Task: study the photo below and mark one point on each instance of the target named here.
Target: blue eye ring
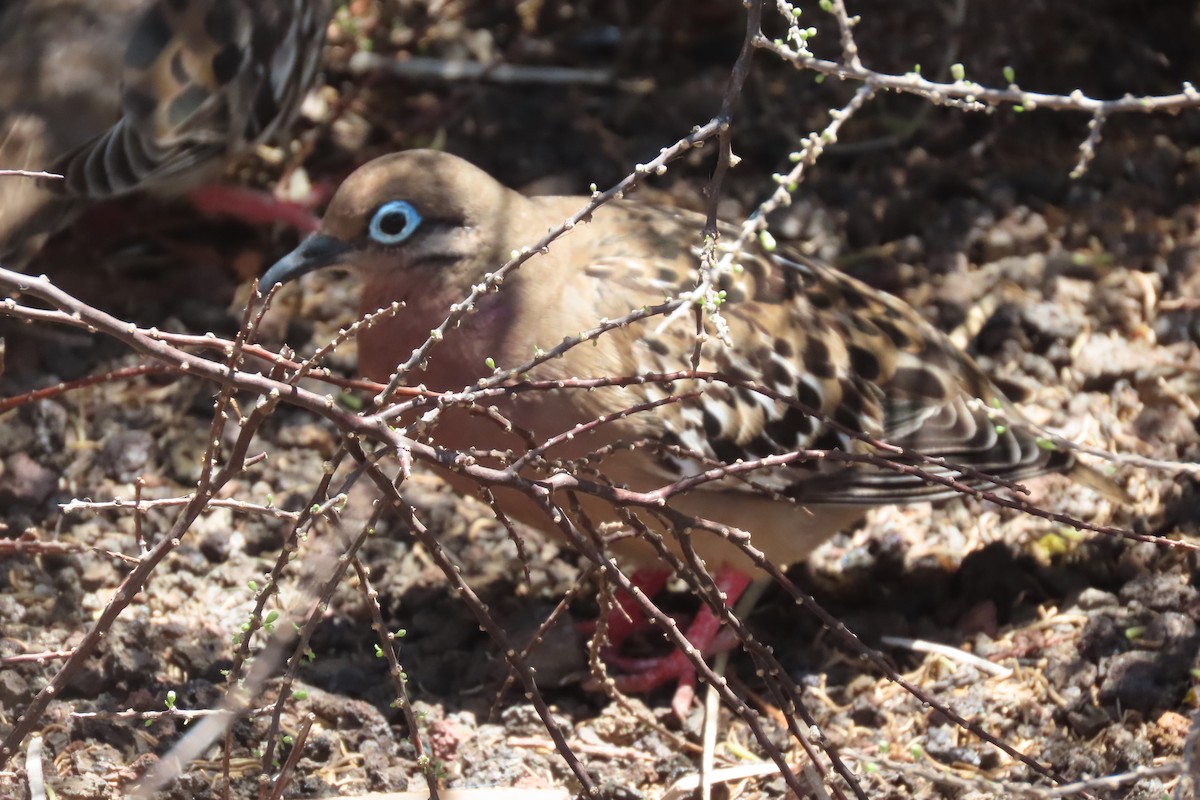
(394, 222)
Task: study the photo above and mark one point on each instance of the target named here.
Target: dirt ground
(1079, 295)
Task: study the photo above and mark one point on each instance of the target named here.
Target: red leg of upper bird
(258, 207)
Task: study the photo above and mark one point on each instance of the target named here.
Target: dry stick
(702, 298)
(347, 558)
(139, 575)
(748, 230)
(1130, 459)
(996, 788)
(586, 427)
(1191, 755)
(538, 492)
(25, 173)
(741, 470)
(491, 387)
(485, 619)
(34, 658)
(768, 667)
(742, 540)
(477, 395)
(812, 146)
(497, 382)
(319, 508)
(682, 522)
(973, 96)
(733, 94)
(315, 402)
(199, 738)
(235, 676)
(37, 547)
(120, 504)
(310, 364)
(422, 68)
(708, 733)
(289, 766)
(845, 33)
(171, 713)
(607, 604)
(208, 461)
(290, 546)
(787, 695)
(207, 341)
(828, 621)
(211, 342)
(388, 646)
(422, 428)
(9, 403)
(316, 609)
(138, 538)
(134, 337)
(660, 495)
(150, 343)
(518, 541)
(33, 769)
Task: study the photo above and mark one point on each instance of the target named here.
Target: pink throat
(457, 361)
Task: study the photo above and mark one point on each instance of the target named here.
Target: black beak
(313, 253)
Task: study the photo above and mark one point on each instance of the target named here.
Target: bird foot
(642, 675)
(706, 634)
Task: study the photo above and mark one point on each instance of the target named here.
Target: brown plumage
(129, 95)
(423, 227)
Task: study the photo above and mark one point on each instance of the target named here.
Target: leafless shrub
(253, 382)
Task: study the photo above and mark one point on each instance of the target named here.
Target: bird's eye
(394, 222)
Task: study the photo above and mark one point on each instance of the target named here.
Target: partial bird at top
(810, 357)
(130, 95)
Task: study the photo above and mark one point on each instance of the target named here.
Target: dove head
(418, 217)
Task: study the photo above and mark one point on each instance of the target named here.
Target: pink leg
(629, 618)
(649, 673)
(257, 207)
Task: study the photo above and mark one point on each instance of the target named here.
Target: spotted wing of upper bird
(203, 80)
(60, 68)
(125, 95)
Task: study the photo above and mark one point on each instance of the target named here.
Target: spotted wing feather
(203, 79)
(860, 358)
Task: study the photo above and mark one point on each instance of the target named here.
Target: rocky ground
(1081, 295)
